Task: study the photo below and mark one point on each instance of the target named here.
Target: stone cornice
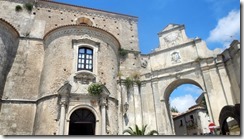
(85, 10)
(180, 27)
(81, 9)
(7, 25)
(192, 42)
(79, 30)
(189, 67)
(28, 101)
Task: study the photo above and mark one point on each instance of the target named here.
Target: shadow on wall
(9, 41)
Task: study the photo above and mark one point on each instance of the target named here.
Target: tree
(139, 132)
(173, 109)
(203, 103)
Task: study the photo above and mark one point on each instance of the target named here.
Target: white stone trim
(71, 109)
(94, 47)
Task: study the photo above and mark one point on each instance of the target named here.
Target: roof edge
(135, 18)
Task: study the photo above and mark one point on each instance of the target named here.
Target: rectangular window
(85, 57)
(181, 123)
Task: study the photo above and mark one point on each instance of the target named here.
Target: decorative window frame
(88, 43)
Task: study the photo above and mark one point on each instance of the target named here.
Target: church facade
(50, 54)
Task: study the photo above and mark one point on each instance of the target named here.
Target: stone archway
(226, 112)
(169, 90)
(82, 122)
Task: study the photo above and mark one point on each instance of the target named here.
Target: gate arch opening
(181, 92)
(229, 120)
(82, 122)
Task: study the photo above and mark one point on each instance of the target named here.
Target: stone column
(103, 105)
(158, 107)
(224, 80)
(168, 130)
(64, 94)
(137, 103)
(208, 87)
(62, 118)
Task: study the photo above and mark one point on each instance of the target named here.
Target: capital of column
(103, 101)
(63, 101)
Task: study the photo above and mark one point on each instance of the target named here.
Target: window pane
(90, 57)
(85, 56)
(81, 50)
(89, 51)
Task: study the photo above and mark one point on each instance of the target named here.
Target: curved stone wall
(60, 56)
(60, 66)
(9, 40)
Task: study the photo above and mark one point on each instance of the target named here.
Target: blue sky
(215, 21)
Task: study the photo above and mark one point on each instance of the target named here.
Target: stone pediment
(171, 26)
(172, 35)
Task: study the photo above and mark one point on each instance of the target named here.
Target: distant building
(194, 121)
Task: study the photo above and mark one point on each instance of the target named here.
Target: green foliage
(173, 109)
(95, 89)
(203, 103)
(139, 132)
(18, 8)
(28, 7)
(123, 53)
(128, 82)
(138, 82)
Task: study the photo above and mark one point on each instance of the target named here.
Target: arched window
(84, 20)
(85, 58)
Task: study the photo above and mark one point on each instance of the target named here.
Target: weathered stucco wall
(8, 46)
(17, 118)
(24, 77)
(231, 57)
(46, 118)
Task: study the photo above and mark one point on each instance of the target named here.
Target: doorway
(82, 122)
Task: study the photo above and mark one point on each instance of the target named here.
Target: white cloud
(192, 89)
(227, 29)
(182, 103)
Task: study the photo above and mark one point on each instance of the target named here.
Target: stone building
(52, 52)
(194, 121)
